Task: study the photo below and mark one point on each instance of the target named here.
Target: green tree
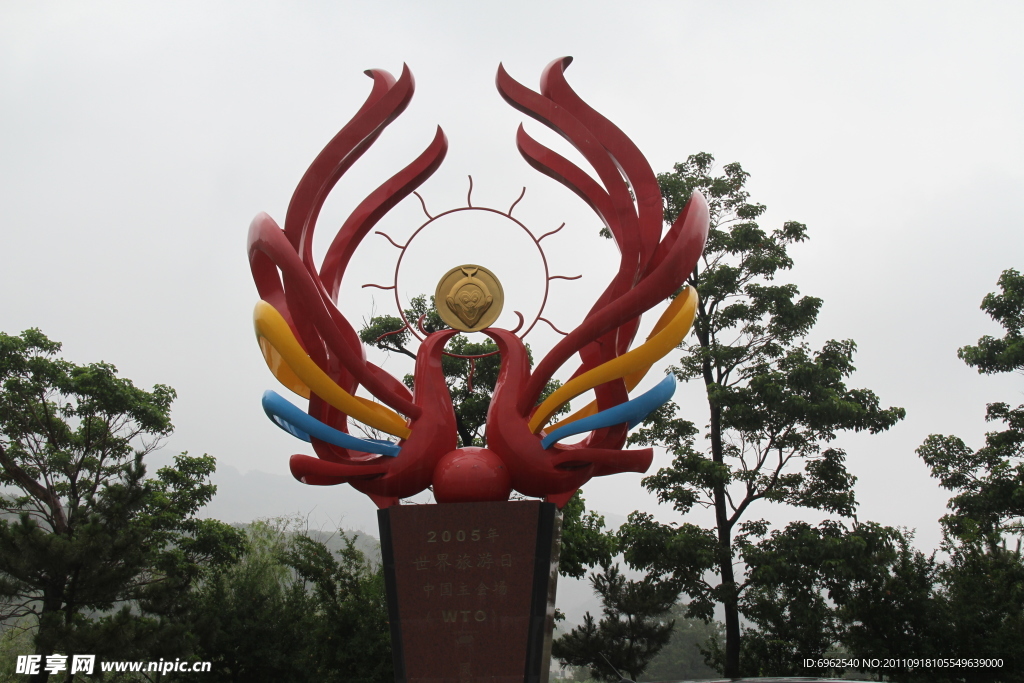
(635, 624)
(247, 619)
(988, 483)
(773, 403)
(1006, 354)
(889, 598)
(785, 601)
(14, 641)
(349, 638)
(983, 582)
(630, 633)
(95, 556)
(812, 589)
(683, 658)
(293, 610)
(585, 541)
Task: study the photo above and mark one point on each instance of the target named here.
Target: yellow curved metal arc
(677, 321)
(291, 363)
(282, 371)
(632, 379)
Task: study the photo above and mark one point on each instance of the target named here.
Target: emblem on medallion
(469, 298)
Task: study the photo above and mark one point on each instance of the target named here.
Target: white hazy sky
(137, 141)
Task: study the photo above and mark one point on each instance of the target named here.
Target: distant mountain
(254, 495)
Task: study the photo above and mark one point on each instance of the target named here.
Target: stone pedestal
(471, 590)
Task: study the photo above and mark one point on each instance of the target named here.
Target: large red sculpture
(316, 352)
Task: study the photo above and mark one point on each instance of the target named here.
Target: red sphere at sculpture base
(471, 475)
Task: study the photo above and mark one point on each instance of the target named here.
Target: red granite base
(471, 590)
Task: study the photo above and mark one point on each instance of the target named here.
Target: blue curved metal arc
(301, 425)
(631, 412)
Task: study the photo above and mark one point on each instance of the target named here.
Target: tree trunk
(44, 639)
(731, 607)
(464, 434)
(43, 674)
(729, 597)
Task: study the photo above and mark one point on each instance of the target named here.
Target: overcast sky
(138, 140)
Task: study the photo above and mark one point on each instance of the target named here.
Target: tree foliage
(683, 656)
(862, 588)
(93, 554)
(585, 541)
(983, 581)
(293, 609)
(992, 355)
(632, 629)
(349, 637)
(864, 591)
(773, 403)
(988, 483)
(870, 593)
(873, 594)
(247, 619)
(980, 612)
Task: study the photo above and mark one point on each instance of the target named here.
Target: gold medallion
(469, 298)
